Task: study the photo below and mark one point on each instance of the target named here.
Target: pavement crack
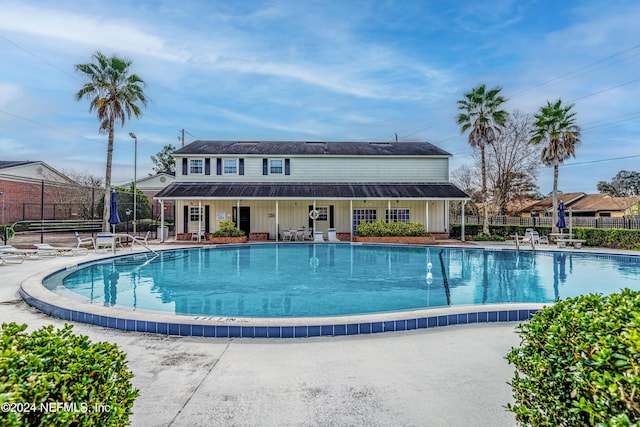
(204, 377)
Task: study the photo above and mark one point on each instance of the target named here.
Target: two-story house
(265, 186)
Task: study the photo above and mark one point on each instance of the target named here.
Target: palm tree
(555, 125)
(482, 114)
(113, 93)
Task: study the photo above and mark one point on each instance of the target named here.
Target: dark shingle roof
(12, 163)
(311, 148)
(312, 190)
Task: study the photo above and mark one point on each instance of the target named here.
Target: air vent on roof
(315, 142)
(379, 143)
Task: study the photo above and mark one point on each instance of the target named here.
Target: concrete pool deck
(448, 376)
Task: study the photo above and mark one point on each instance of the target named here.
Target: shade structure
(113, 217)
(561, 221)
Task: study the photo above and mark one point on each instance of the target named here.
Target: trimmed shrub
(381, 228)
(58, 378)
(579, 363)
(227, 229)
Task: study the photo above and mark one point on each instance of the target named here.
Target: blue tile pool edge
(187, 327)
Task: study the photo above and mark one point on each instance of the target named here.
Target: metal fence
(627, 222)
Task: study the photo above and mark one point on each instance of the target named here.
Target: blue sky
(319, 70)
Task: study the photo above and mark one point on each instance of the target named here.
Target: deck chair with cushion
(60, 250)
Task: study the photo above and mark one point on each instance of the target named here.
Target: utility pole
(181, 138)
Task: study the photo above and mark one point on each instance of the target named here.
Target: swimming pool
(311, 280)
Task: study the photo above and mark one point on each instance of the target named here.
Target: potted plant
(228, 233)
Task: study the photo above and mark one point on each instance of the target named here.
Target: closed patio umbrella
(113, 217)
(561, 221)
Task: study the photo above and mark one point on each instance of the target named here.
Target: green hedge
(599, 237)
(58, 378)
(227, 229)
(579, 363)
(381, 228)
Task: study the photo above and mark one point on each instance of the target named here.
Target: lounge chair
(27, 253)
(84, 241)
(140, 240)
(331, 233)
(6, 258)
(318, 236)
(60, 250)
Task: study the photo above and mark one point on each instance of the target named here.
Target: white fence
(628, 222)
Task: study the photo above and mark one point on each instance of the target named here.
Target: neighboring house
(266, 186)
(152, 185)
(591, 205)
(23, 185)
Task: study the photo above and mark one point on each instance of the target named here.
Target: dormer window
(196, 166)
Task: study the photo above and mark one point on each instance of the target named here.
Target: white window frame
(194, 169)
(368, 214)
(281, 167)
(398, 215)
(195, 212)
(224, 166)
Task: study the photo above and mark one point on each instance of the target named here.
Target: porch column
(351, 220)
(446, 216)
(388, 211)
(464, 202)
(238, 214)
(426, 216)
(277, 224)
(162, 236)
(199, 219)
(314, 222)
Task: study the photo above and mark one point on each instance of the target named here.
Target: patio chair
(331, 233)
(83, 241)
(140, 240)
(60, 250)
(286, 234)
(308, 234)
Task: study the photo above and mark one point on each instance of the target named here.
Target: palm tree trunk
(485, 211)
(555, 198)
(106, 211)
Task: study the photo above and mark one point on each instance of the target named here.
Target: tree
(555, 125)
(482, 115)
(163, 161)
(113, 93)
(512, 162)
(625, 183)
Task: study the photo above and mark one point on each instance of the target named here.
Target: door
(244, 223)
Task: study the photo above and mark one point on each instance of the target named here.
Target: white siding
(336, 169)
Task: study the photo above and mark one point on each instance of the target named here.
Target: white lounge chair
(318, 236)
(6, 258)
(62, 250)
(84, 241)
(140, 240)
(331, 234)
(28, 253)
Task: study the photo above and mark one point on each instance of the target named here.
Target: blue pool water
(292, 280)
